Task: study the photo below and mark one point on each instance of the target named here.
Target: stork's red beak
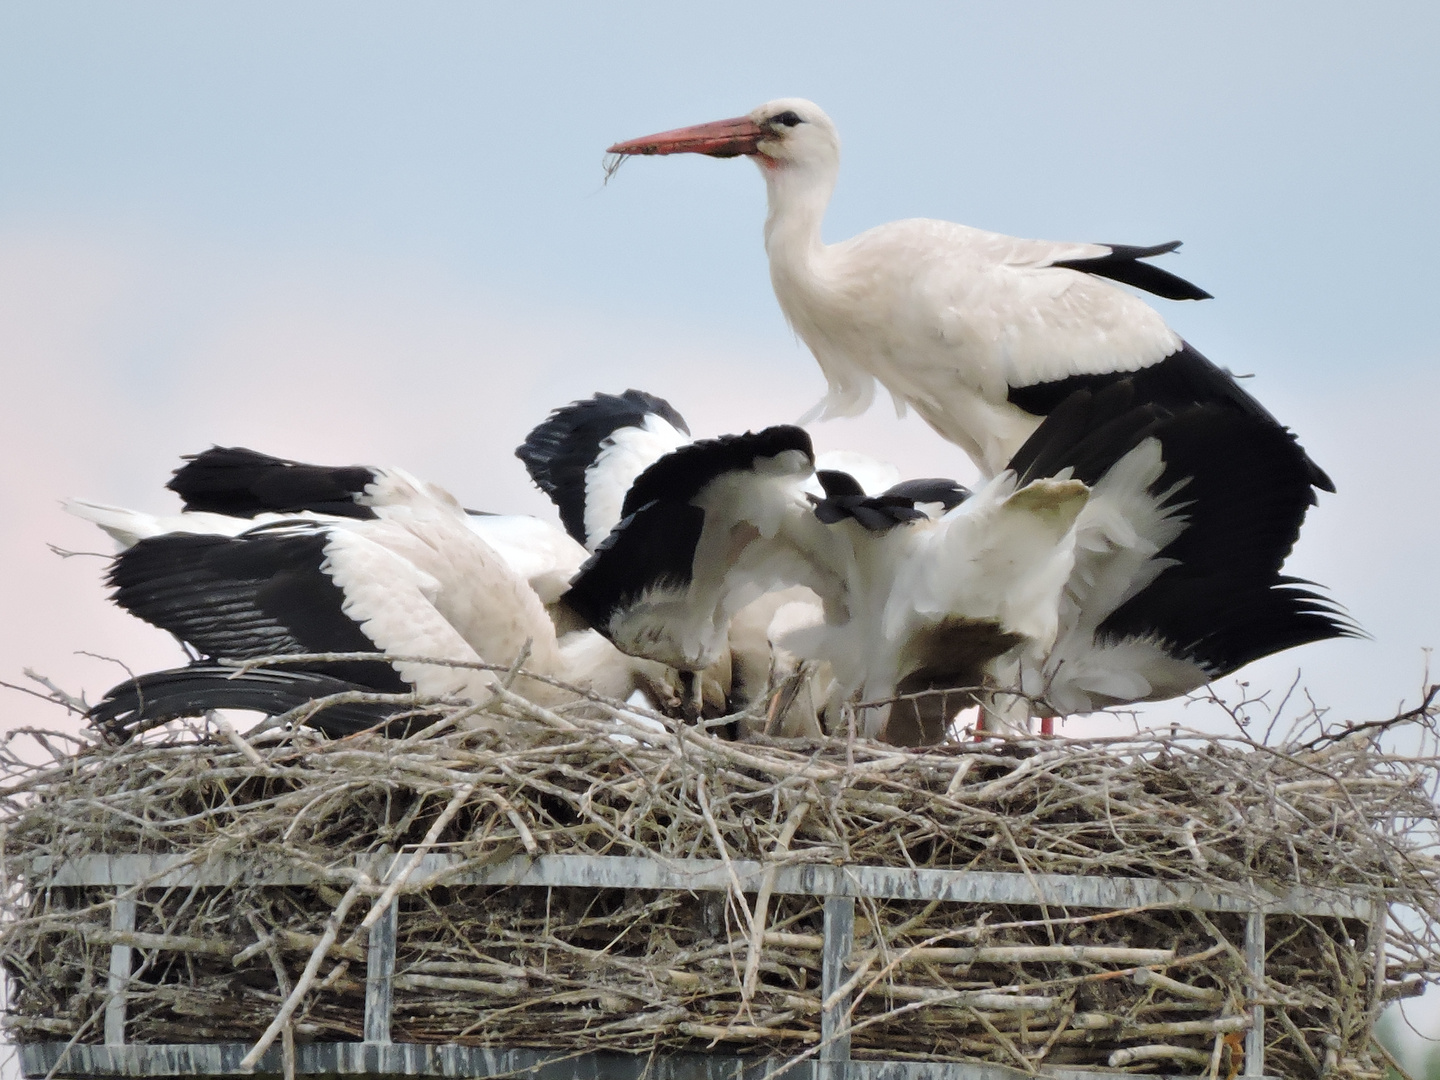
(723, 138)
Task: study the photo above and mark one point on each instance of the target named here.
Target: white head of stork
(982, 334)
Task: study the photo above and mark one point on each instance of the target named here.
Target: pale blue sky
(1293, 146)
(378, 232)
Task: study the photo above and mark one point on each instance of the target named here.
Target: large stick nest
(579, 969)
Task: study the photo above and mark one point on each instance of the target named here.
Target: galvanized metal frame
(794, 877)
(839, 885)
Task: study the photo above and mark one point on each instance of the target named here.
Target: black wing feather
(1125, 264)
(146, 701)
(681, 474)
(654, 545)
(845, 499)
(558, 452)
(650, 549)
(1182, 378)
(240, 482)
(262, 593)
(1244, 491)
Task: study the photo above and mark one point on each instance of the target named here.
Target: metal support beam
(834, 1024)
(380, 977)
(641, 872)
(122, 920)
(1255, 966)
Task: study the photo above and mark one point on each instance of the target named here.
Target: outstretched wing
(1178, 570)
(586, 455)
(265, 593)
(240, 482)
(321, 588)
(705, 530)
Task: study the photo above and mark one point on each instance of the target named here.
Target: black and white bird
(237, 484)
(926, 601)
(587, 454)
(982, 334)
(338, 560)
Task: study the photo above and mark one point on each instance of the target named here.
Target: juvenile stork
(586, 456)
(982, 334)
(274, 557)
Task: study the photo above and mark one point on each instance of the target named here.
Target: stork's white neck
(798, 194)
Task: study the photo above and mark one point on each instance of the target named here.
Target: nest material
(580, 969)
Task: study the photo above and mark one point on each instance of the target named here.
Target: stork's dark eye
(789, 118)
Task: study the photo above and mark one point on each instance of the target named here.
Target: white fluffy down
(1119, 535)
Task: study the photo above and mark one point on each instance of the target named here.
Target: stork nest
(576, 969)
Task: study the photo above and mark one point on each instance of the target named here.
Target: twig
(282, 1018)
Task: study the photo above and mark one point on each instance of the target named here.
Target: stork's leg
(1002, 712)
(692, 707)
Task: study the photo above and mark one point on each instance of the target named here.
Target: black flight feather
(262, 593)
(654, 544)
(559, 451)
(1125, 264)
(1243, 491)
(1182, 378)
(653, 548)
(146, 701)
(243, 483)
(681, 474)
(845, 499)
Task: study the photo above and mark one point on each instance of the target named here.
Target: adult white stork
(983, 334)
(403, 572)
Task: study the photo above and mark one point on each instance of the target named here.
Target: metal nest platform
(840, 886)
(581, 895)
